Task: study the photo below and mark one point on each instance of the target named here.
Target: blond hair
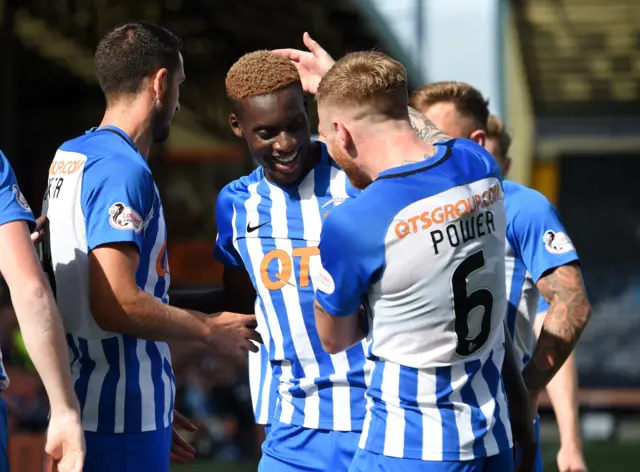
(467, 99)
(371, 79)
(497, 130)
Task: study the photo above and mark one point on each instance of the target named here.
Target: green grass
(600, 457)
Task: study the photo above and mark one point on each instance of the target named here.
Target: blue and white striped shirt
(264, 391)
(536, 243)
(13, 207)
(101, 191)
(423, 246)
(273, 233)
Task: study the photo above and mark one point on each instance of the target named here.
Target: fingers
(293, 54)
(311, 44)
(41, 222)
(182, 422)
(255, 336)
(250, 321)
(36, 237)
(249, 346)
(181, 450)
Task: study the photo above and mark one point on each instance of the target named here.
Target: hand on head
(311, 65)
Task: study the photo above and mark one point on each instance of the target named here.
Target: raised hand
(232, 333)
(311, 65)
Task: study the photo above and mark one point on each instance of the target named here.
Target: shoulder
(481, 160)
(239, 189)
(521, 201)
(367, 217)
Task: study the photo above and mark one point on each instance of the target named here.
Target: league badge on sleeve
(125, 217)
(325, 282)
(557, 243)
(20, 198)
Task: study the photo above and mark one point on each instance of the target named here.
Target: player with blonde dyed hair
(269, 226)
(422, 248)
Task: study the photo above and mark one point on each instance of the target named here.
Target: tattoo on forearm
(425, 129)
(566, 318)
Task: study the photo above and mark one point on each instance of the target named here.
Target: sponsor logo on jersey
(20, 198)
(124, 217)
(557, 243)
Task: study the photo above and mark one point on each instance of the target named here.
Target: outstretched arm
(425, 129)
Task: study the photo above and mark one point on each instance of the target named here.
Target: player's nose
(285, 142)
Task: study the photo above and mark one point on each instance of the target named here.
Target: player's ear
(159, 81)
(234, 122)
(344, 137)
(479, 136)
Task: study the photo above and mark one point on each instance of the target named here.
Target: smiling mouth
(286, 159)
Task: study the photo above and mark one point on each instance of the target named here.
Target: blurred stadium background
(563, 74)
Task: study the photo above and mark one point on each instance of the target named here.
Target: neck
(135, 119)
(393, 146)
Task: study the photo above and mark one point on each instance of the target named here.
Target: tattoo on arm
(424, 128)
(566, 318)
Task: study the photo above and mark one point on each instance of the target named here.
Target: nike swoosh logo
(251, 229)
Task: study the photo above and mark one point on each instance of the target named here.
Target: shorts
(128, 452)
(290, 448)
(366, 461)
(4, 436)
(538, 463)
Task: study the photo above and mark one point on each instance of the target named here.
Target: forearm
(145, 317)
(45, 341)
(566, 318)
(562, 391)
(338, 333)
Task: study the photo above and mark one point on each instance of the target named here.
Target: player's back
(273, 233)
(432, 235)
(101, 191)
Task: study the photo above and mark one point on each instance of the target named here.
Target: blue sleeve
(117, 201)
(225, 251)
(352, 260)
(537, 234)
(13, 205)
(543, 306)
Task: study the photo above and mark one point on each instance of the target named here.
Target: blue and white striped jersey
(13, 207)
(273, 233)
(536, 242)
(264, 391)
(101, 191)
(423, 247)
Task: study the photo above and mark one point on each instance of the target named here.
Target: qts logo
(284, 264)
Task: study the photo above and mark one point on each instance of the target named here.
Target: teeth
(288, 159)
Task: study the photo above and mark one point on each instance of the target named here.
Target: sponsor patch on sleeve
(126, 218)
(557, 243)
(20, 198)
(325, 282)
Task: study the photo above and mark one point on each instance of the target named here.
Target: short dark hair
(131, 52)
(468, 100)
